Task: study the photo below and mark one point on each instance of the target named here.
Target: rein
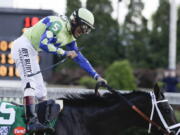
(143, 115)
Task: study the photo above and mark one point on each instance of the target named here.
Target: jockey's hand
(71, 54)
(100, 79)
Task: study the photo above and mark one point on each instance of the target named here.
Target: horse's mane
(107, 98)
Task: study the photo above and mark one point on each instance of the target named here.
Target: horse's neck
(112, 118)
(121, 116)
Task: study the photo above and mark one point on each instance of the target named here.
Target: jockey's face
(79, 29)
(78, 32)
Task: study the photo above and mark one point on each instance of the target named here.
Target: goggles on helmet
(85, 28)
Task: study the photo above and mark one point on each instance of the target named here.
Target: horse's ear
(159, 94)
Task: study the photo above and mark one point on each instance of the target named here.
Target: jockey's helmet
(84, 18)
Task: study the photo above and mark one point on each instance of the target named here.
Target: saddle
(48, 111)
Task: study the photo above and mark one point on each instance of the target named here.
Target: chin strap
(74, 25)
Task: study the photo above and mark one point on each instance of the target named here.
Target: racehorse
(110, 114)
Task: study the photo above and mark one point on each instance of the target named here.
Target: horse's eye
(167, 110)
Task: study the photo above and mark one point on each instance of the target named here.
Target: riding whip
(63, 59)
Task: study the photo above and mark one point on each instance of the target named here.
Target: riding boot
(33, 124)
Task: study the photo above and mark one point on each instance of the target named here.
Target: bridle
(166, 130)
(164, 123)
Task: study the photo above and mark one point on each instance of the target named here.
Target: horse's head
(161, 116)
(163, 112)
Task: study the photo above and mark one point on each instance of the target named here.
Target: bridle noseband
(164, 123)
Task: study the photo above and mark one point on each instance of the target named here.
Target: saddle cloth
(12, 117)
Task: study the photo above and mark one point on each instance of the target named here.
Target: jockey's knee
(29, 91)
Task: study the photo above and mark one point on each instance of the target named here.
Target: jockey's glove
(102, 80)
(71, 54)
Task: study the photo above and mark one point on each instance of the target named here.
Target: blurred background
(134, 45)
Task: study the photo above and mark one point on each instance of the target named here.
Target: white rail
(16, 94)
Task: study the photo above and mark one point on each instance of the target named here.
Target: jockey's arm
(48, 42)
(82, 61)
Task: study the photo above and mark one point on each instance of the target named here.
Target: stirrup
(39, 128)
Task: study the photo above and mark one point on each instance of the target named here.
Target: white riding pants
(26, 60)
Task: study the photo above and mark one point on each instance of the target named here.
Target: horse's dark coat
(87, 114)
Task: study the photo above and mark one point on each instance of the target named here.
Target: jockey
(50, 34)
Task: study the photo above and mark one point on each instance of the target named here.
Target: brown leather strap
(150, 121)
(28, 100)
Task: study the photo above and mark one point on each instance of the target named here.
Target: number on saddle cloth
(12, 117)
